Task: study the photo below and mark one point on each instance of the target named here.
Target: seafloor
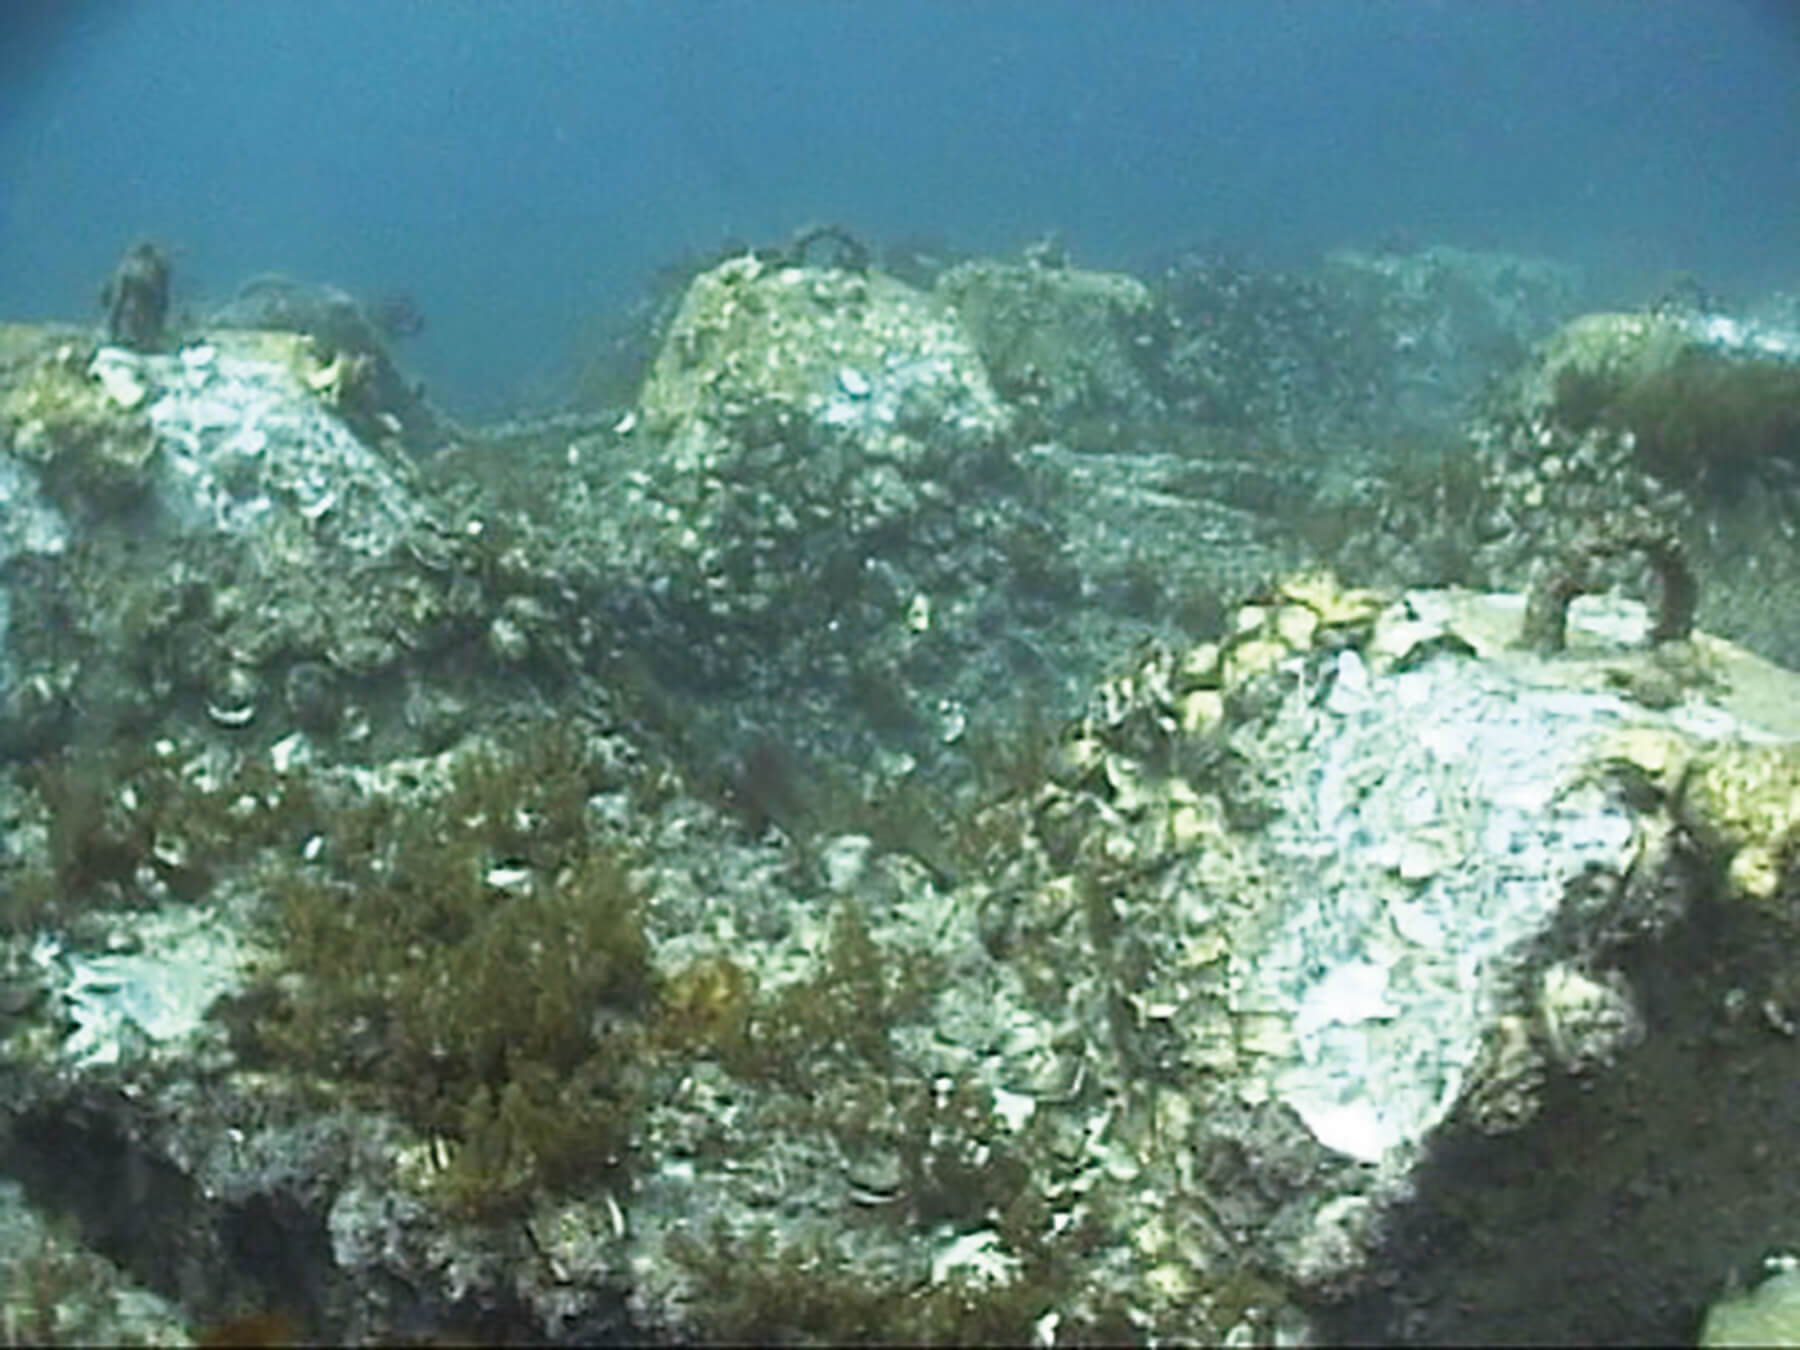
(936, 799)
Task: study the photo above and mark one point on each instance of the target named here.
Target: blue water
(522, 167)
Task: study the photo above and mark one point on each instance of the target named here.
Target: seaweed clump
(764, 1292)
(1699, 416)
(1702, 415)
(825, 1047)
(127, 826)
(478, 961)
(846, 1013)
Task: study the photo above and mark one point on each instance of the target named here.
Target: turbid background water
(523, 166)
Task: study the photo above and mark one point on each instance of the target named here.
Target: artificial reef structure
(900, 834)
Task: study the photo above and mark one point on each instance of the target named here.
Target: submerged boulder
(1687, 415)
(1705, 398)
(1069, 345)
(808, 419)
(825, 350)
(1382, 870)
(352, 341)
(202, 533)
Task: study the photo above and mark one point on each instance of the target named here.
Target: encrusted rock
(858, 350)
(1062, 341)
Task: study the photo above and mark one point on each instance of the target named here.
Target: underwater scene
(798, 672)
